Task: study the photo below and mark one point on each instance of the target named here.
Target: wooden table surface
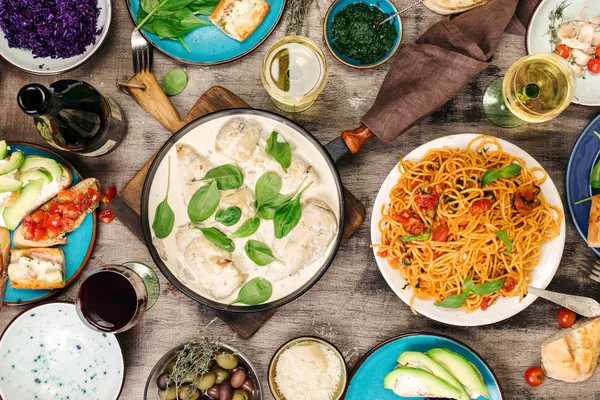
(351, 305)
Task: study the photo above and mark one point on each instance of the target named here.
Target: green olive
(221, 374)
(190, 377)
(227, 360)
(240, 394)
(169, 394)
(170, 366)
(188, 392)
(206, 381)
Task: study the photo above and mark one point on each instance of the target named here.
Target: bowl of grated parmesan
(307, 368)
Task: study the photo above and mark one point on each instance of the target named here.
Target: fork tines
(141, 53)
(592, 267)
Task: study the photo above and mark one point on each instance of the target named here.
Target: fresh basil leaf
(204, 202)
(229, 216)
(490, 176)
(218, 238)
(267, 211)
(174, 82)
(503, 235)
(287, 216)
(248, 228)
(280, 151)
(267, 188)
(510, 171)
(254, 292)
(456, 301)
(468, 284)
(164, 217)
(411, 238)
(227, 176)
(488, 288)
(259, 253)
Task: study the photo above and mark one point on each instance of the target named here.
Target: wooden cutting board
(126, 206)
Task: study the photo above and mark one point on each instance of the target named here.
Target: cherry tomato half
(563, 51)
(534, 376)
(566, 317)
(594, 66)
(106, 216)
(110, 194)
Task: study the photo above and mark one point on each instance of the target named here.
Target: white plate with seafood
(224, 247)
(576, 25)
(502, 307)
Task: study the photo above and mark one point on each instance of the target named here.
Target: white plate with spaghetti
(526, 204)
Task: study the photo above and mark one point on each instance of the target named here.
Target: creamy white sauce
(202, 139)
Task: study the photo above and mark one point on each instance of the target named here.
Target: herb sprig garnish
(556, 18)
(297, 10)
(194, 358)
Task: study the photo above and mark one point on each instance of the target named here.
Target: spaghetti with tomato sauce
(442, 226)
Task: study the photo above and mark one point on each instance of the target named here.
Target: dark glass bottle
(73, 116)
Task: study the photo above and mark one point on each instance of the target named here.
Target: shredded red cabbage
(50, 28)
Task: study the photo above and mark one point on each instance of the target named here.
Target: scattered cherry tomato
(566, 317)
(55, 221)
(106, 216)
(563, 51)
(110, 194)
(480, 206)
(594, 66)
(534, 376)
(67, 195)
(94, 194)
(383, 253)
(509, 284)
(440, 233)
(485, 303)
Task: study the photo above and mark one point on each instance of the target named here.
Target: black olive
(161, 381)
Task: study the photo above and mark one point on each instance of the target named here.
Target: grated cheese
(308, 371)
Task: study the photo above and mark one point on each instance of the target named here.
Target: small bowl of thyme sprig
(353, 35)
(203, 369)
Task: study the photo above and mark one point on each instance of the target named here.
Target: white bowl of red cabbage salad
(48, 37)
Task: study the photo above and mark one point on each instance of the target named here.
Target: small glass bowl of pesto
(352, 36)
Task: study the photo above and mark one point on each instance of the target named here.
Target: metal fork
(581, 305)
(141, 52)
(592, 267)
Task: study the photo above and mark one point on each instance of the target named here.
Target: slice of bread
(50, 190)
(239, 18)
(4, 258)
(593, 237)
(572, 354)
(82, 187)
(37, 269)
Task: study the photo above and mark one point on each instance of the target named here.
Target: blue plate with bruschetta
(215, 42)
(80, 241)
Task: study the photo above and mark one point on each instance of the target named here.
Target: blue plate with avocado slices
(77, 250)
(426, 358)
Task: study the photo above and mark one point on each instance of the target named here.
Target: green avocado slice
(463, 370)
(36, 174)
(14, 214)
(416, 359)
(15, 161)
(35, 162)
(414, 382)
(9, 185)
(3, 149)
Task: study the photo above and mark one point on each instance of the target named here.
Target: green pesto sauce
(355, 36)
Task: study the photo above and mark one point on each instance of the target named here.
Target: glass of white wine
(536, 88)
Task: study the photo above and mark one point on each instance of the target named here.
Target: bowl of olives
(203, 369)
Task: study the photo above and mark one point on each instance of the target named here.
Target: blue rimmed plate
(209, 45)
(584, 155)
(366, 381)
(77, 250)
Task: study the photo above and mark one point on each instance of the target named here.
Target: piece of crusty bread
(593, 237)
(4, 259)
(239, 18)
(45, 195)
(20, 242)
(32, 280)
(571, 355)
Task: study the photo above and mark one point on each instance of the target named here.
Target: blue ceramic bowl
(384, 5)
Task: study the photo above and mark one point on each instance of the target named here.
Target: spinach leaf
(202, 9)
(204, 202)
(174, 82)
(229, 216)
(488, 288)
(227, 176)
(148, 25)
(218, 238)
(259, 253)
(177, 24)
(411, 238)
(254, 292)
(280, 151)
(455, 301)
(248, 228)
(162, 5)
(503, 235)
(164, 218)
(148, 5)
(267, 211)
(267, 188)
(287, 217)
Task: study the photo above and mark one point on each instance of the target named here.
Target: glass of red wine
(115, 297)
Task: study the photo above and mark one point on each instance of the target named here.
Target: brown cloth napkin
(428, 73)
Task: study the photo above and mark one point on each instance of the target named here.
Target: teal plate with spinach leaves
(208, 44)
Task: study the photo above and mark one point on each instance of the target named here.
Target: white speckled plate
(47, 353)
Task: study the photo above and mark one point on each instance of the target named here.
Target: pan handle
(355, 138)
